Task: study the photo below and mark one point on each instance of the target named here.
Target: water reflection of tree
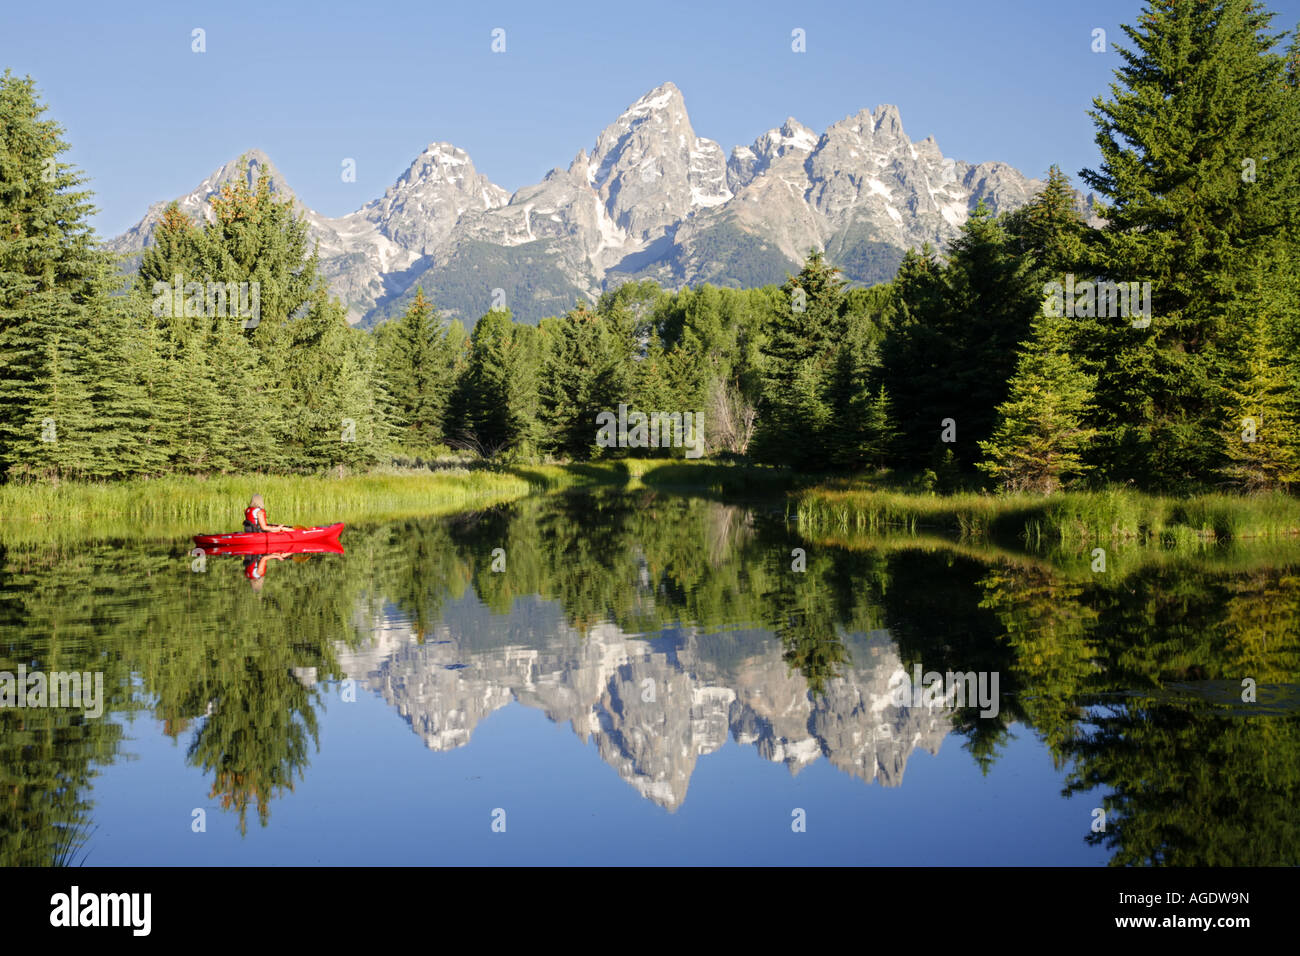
(48, 759)
(1181, 782)
(812, 610)
(1191, 788)
(933, 612)
(1045, 623)
(258, 738)
(1211, 782)
(416, 568)
(56, 614)
(649, 560)
(234, 679)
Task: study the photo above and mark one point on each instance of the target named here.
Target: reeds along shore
(183, 506)
(1065, 519)
(177, 507)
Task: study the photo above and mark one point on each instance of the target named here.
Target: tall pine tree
(951, 347)
(796, 419)
(55, 280)
(1199, 176)
(419, 368)
(1041, 431)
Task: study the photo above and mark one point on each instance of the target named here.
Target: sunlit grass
(1069, 519)
(177, 507)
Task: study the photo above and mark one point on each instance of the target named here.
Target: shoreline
(1065, 519)
(172, 507)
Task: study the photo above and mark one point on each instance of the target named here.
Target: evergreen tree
(952, 345)
(1040, 436)
(502, 387)
(300, 392)
(623, 336)
(1199, 173)
(54, 279)
(654, 386)
(135, 396)
(419, 366)
(1050, 229)
(912, 352)
(1261, 434)
(354, 402)
(992, 300)
(800, 363)
(173, 253)
(568, 401)
(880, 428)
(852, 397)
(192, 388)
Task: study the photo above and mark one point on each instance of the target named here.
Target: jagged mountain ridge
(652, 199)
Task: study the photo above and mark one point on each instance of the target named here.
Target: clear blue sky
(314, 83)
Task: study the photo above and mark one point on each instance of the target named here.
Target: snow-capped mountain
(652, 199)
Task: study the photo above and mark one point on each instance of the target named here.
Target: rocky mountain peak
(664, 98)
(748, 162)
(579, 163)
(424, 205)
(888, 122)
(197, 203)
(649, 168)
(651, 199)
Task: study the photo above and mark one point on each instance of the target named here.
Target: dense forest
(1019, 358)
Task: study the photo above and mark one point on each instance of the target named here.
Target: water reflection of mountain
(653, 705)
(1132, 680)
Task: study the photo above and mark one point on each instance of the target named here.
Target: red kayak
(291, 547)
(268, 540)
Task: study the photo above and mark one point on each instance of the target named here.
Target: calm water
(644, 679)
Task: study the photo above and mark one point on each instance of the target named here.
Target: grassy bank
(1123, 559)
(1072, 519)
(179, 507)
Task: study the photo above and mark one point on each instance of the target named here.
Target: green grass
(1123, 559)
(713, 477)
(1070, 519)
(178, 507)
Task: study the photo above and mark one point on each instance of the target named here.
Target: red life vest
(251, 514)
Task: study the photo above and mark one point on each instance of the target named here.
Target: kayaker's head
(257, 502)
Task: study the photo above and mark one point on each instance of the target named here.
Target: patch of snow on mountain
(648, 104)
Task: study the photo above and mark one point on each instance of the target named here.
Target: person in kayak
(255, 517)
